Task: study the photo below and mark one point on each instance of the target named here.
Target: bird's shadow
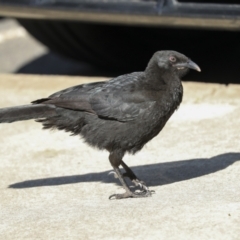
(154, 174)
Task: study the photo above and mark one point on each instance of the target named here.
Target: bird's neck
(160, 77)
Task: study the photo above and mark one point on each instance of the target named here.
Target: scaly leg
(115, 158)
(131, 175)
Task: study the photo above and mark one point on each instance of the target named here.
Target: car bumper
(151, 13)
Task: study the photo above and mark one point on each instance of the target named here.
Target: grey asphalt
(56, 187)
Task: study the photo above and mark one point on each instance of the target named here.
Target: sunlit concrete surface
(21, 53)
(56, 187)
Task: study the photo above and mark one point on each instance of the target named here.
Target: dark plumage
(120, 115)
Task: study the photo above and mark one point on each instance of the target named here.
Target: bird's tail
(26, 112)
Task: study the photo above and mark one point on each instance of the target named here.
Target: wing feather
(119, 98)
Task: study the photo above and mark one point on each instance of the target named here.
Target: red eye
(172, 59)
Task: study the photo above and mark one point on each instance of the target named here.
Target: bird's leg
(115, 158)
(131, 175)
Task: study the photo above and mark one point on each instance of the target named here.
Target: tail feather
(26, 112)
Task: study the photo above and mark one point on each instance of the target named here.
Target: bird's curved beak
(188, 64)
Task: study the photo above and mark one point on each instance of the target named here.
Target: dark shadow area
(54, 64)
(123, 49)
(216, 67)
(153, 174)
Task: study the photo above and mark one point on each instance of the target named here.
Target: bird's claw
(131, 195)
(140, 184)
(136, 181)
(144, 191)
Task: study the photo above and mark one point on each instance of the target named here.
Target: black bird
(120, 115)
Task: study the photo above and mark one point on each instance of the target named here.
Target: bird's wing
(119, 98)
(78, 90)
(122, 98)
(75, 98)
(119, 107)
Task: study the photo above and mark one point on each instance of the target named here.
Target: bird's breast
(163, 108)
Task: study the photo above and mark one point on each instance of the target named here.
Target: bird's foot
(143, 187)
(142, 190)
(137, 182)
(141, 184)
(129, 194)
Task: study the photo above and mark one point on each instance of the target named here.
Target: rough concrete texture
(56, 187)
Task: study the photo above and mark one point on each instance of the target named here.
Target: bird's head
(174, 62)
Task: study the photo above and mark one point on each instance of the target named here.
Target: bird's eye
(172, 59)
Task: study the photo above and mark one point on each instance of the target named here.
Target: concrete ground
(56, 187)
(21, 53)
